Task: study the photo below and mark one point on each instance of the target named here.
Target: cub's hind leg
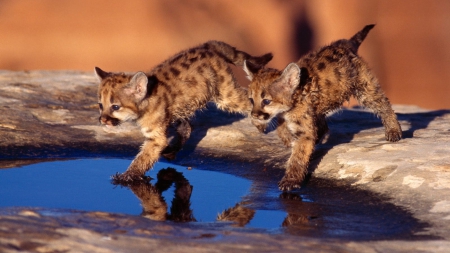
(369, 94)
(183, 129)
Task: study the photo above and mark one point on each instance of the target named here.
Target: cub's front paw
(393, 135)
(128, 178)
(288, 184)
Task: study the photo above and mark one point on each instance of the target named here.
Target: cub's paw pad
(288, 184)
(127, 179)
(393, 135)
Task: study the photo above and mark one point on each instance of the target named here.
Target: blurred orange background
(409, 49)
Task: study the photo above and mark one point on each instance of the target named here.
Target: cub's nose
(260, 115)
(108, 121)
(102, 120)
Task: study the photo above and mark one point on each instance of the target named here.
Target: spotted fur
(301, 95)
(170, 94)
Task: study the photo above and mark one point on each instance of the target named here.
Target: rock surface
(52, 114)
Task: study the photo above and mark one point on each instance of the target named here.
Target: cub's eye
(266, 101)
(100, 106)
(251, 101)
(115, 107)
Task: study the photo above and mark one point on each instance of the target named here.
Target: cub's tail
(236, 57)
(358, 38)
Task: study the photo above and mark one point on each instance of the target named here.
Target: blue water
(320, 209)
(85, 185)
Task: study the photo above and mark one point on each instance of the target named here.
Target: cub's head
(119, 96)
(270, 91)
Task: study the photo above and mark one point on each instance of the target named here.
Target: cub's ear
(100, 73)
(250, 69)
(137, 87)
(288, 81)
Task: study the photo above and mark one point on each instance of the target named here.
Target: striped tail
(358, 38)
(236, 57)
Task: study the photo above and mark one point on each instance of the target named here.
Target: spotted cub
(170, 94)
(301, 95)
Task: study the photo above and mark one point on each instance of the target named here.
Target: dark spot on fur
(331, 59)
(200, 70)
(299, 133)
(321, 66)
(184, 65)
(166, 76)
(175, 72)
(213, 74)
(221, 78)
(191, 82)
(328, 82)
(175, 59)
(229, 71)
(193, 59)
(164, 86)
(216, 91)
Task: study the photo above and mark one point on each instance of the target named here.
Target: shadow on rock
(203, 120)
(419, 120)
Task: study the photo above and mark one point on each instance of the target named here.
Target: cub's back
(187, 81)
(333, 75)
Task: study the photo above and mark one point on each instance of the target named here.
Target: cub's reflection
(294, 217)
(153, 204)
(239, 215)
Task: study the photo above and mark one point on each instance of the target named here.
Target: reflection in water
(296, 217)
(238, 214)
(153, 203)
(155, 207)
